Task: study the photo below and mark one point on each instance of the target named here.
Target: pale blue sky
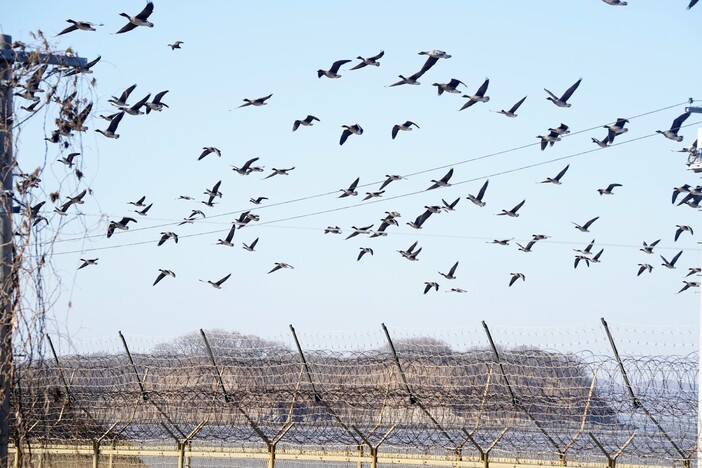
(633, 60)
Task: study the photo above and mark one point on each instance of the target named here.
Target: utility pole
(8, 57)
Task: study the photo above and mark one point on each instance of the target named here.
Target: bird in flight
(167, 235)
(515, 277)
(279, 265)
(672, 133)
(306, 122)
(451, 273)
(585, 227)
(333, 72)
(209, 149)
(406, 127)
(608, 190)
(140, 19)
(228, 240)
(644, 267)
(351, 191)
(364, 250)
(217, 284)
(250, 247)
(349, 130)
(670, 264)
(443, 182)
(478, 200)
(479, 95)
(617, 128)
(279, 172)
(556, 180)
(121, 224)
(562, 101)
(390, 178)
(176, 45)
(688, 285)
(512, 111)
(449, 87)
(163, 274)
(513, 212)
(681, 229)
(429, 285)
(111, 130)
(78, 25)
(648, 248)
(373, 61)
(88, 262)
(156, 104)
(256, 102)
(246, 169)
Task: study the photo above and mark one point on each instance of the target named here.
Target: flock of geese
(72, 119)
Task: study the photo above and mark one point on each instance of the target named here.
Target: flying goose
(499, 241)
(587, 250)
(135, 109)
(256, 102)
(578, 258)
(430, 285)
(163, 274)
(246, 169)
(333, 72)
(513, 212)
(562, 129)
(78, 25)
(449, 87)
(596, 258)
(83, 69)
(603, 143)
(688, 285)
(258, 200)
(139, 19)
(156, 104)
(176, 45)
(389, 178)
(369, 61)
(681, 229)
(556, 180)
(527, 248)
(679, 190)
(357, 231)
(617, 128)
(364, 250)
(167, 235)
(121, 101)
(227, 241)
(586, 226)
(419, 220)
(279, 265)
(306, 122)
(648, 248)
(549, 139)
(479, 95)
(408, 253)
(409, 80)
(450, 206)
(332, 230)
(145, 210)
(88, 262)
(217, 284)
(139, 202)
(370, 195)
(214, 192)
(443, 182)
(112, 128)
(615, 2)
(436, 54)
(515, 277)
(451, 274)
(279, 172)
(608, 190)
(513, 109)
(692, 3)
(349, 130)
(644, 267)
(121, 224)
(251, 247)
(406, 127)
(478, 200)
(351, 191)
(670, 264)
(672, 134)
(694, 271)
(562, 101)
(539, 236)
(207, 150)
